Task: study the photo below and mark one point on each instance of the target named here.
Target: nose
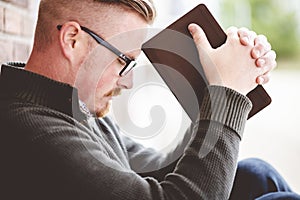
(126, 82)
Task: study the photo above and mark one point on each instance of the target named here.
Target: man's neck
(55, 70)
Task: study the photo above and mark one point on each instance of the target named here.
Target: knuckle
(243, 32)
(263, 44)
(273, 54)
(231, 30)
(270, 55)
(197, 38)
(262, 37)
(253, 34)
(259, 46)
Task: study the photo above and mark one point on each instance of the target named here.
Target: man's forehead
(129, 41)
(118, 19)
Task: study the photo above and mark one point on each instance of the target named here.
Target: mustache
(114, 92)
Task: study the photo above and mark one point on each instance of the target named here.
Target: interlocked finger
(267, 61)
(261, 47)
(247, 37)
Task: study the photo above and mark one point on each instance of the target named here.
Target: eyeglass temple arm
(101, 41)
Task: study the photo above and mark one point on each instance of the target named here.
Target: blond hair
(144, 7)
(59, 11)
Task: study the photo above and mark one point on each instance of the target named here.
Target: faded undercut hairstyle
(144, 7)
(59, 11)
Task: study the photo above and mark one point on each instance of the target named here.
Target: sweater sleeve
(78, 168)
(149, 162)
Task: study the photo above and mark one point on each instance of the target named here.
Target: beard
(103, 111)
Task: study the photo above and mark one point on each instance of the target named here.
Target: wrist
(226, 106)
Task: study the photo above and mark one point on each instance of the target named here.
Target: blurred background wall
(17, 19)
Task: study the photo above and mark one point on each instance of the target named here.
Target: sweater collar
(34, 88)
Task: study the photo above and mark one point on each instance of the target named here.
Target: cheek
(107, 82)
(111, 74)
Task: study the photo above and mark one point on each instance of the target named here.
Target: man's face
(98, 78)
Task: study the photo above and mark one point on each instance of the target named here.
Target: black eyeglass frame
(129, 63)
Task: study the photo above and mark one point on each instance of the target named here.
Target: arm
(149, 162)
(157, 165)
(78, 167)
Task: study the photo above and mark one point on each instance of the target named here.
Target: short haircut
(144, 7)
(58, 11)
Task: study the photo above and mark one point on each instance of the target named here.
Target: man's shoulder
(31, 101)
(27, 118)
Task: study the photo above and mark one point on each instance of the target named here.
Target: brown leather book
(174, 55)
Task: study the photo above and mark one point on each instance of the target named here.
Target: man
(56, 141)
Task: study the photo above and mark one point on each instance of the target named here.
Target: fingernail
(256, 53)
(192, 29)
(246, 40)
(261, 62)
(261, 80)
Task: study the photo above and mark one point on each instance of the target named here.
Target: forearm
(207, 168)
(148, 162)
(89, 169)
(209, 162)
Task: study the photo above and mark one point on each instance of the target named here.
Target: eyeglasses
(128, 62)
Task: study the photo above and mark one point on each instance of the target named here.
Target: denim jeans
(256, 179)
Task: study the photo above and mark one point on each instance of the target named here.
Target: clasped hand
(244, 61)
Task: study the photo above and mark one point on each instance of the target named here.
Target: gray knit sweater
(50, 149)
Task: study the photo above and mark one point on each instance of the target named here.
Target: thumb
(199, 37)
(204, 49)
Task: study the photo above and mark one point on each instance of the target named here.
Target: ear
(72, 42)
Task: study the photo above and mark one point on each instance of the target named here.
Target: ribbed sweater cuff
(226, 106)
